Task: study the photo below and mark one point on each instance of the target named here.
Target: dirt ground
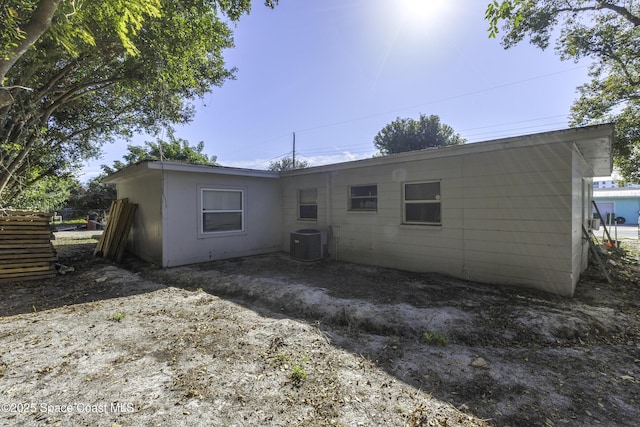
(267, 340)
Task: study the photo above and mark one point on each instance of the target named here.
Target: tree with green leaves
(24, 22)
(407, 134)
(87, 73)
(604, 31)
(173, 149)
(286, 164)
(94, 195)
(47, 195)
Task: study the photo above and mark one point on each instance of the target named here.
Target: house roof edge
(585, 136)
(146, 165)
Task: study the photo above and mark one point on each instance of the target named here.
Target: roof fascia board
(131, 171)
(218, 170)
(124, 173)
(588, 140)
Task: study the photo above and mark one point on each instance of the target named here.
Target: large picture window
(421, 204)
(363, 198)
(222, 210)
(308, 203)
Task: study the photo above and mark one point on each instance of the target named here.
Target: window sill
(214, 234)
(421, 226)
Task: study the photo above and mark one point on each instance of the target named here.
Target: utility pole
(293, 163)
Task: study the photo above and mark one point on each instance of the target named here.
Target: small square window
(363, 198)
(222, 210)
(421, 203)
(308, 203)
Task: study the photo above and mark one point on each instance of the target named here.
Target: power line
(516, 122)
(450, 98)
(462, 95)
(467, 134)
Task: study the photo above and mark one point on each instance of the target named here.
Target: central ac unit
(308, 244)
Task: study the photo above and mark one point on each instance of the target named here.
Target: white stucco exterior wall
(184, 242)
(512, 210)
(146, 235)
(506, 216)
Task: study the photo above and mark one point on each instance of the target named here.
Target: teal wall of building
(624, 207)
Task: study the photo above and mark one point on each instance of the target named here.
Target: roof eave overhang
(594, 143)
(144, 166)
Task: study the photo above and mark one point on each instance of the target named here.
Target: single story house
(621, 203)
(508, 211)
(194, 213)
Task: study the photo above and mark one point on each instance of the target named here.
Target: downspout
(464, 226)
(329, 208)
(164, 216)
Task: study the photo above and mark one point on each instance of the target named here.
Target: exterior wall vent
(308, 244)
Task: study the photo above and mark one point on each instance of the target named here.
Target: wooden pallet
(114, 238)
(26, 252)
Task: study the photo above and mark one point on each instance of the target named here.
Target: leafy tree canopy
(286, 164)
(92, 196)
(46, 195)
(403, 135)
(23, 22)
(95, 195)
(605, 31)
(174, 149)
(93, 72)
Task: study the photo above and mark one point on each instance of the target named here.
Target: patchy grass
(435, 338)
(117, 317)
(297, 375)
(264, 341)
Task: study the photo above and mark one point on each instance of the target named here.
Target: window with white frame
(421, 203)
(308, 203)
(363, 198)
(222, 210)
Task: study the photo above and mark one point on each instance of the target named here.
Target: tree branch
(603, 4)
(11, 168)
(72, 94)
(622, 11)
(55, 79)
(38, 24)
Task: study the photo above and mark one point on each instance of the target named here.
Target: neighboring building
(622, 204)
(509, 211)
(605, 183)
(599, 184)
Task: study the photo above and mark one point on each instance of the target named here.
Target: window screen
(422, 203)
(308, 203)
(222, 210)
(363, 198)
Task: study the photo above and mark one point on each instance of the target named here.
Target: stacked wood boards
(26, 252)
(114, 238)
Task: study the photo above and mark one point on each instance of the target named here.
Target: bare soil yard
(270, 341)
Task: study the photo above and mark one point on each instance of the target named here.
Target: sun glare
(424, 13)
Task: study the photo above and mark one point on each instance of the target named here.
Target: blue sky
(335, 72)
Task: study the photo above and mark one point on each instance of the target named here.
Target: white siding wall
(379, 238)
(184, 245)
(290, 204)
(145, 237)
(506, 216)
(581, 208)
(517, 217)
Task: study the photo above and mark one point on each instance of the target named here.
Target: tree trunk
(9, 170)
(39, 23)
